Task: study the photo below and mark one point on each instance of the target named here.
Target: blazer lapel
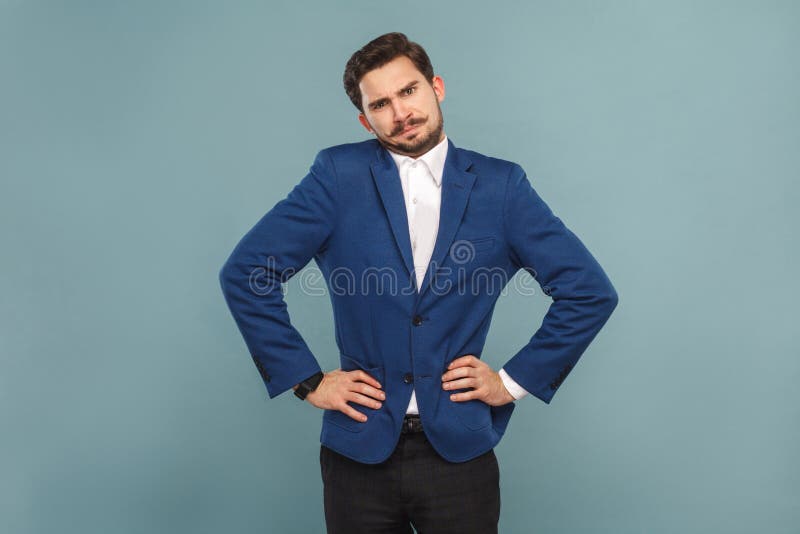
(457, 184)
(387, 180)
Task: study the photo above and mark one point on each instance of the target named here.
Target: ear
(438, 87)
(363, 120)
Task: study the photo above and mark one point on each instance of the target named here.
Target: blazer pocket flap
(465, 249)
(482, 243)
(348, 363)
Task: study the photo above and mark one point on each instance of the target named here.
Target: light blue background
(140, 140)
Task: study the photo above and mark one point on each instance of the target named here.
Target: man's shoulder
(353, 150)
(484, 162)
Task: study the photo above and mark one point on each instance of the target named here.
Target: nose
(401, 112)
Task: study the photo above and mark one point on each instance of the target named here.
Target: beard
(423, 141)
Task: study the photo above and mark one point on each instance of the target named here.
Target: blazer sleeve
(295, 230)
(583, 296)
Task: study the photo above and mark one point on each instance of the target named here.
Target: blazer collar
(433, 159)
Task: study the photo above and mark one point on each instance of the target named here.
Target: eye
(410, 90)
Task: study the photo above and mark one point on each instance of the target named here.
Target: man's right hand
(338, 387)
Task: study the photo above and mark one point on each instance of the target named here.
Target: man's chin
(415, 146)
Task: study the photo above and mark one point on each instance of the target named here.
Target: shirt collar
(434, 159)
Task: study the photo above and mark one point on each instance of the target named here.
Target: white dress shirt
(421, 179)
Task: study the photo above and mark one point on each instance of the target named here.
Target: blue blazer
(348, 213)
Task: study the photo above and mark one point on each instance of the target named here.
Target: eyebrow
(384, 99)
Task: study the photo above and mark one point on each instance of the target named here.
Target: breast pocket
(483, 243)
(343, 420)
(470, 267)
(464, 251)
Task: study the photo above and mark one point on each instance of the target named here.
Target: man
(413, 415)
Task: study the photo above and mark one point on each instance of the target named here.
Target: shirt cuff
(515, 389)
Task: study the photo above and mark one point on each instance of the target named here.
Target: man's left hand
(470, 372)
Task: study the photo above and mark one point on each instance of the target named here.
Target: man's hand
(338, 387)
(470, 372)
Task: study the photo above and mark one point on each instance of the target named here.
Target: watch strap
(308, 385)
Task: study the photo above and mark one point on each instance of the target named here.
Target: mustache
(410, 123)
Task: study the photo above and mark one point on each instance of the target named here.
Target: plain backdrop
(140, 140)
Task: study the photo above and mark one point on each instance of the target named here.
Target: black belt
(411, 423)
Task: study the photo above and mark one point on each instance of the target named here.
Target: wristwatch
(308, 385)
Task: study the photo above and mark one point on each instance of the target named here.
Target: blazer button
(408, 378)
(417, 320)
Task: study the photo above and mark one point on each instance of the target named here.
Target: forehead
(386, 79)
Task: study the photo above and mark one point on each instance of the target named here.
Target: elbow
(226, 274)
(222, 276)
(608, 298)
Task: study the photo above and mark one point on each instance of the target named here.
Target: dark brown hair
(379, 52)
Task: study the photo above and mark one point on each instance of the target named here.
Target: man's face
(401, 108)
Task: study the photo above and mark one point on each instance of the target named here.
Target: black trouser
(414, 486)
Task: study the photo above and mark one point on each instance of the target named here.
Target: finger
(461, 383)
(467, 395)
(352, 413)
(462, 361)
(362, 376)
(366, 389)
(459, 372)
(364, 400)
